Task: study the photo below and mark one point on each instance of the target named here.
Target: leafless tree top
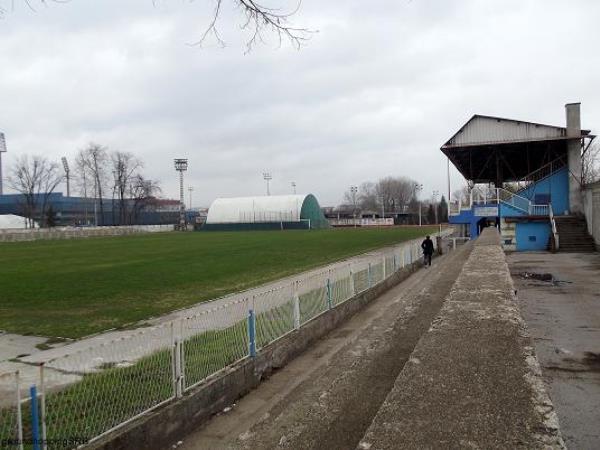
(259, 20)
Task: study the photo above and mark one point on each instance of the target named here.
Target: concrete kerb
(159, 428)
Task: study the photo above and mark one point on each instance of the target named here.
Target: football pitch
(73, 288)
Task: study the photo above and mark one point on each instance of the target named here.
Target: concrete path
(327, 397)
(563, 315)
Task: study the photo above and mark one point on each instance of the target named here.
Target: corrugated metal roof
(480, 130)
(272, 208)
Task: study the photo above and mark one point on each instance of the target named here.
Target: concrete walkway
(443, 360)
(563, 315)
(327, 397)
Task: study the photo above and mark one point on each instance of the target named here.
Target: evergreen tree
(431, 214)
(443, 210)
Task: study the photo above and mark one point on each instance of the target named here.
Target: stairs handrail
(542, 172)
(514, 200)
(553, 225)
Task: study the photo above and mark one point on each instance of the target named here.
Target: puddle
(592, 360)
(543, 277)
(536, 276)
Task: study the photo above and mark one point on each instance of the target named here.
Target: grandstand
(265, 213)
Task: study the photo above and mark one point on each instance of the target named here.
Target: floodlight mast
(354, 191)
(66, 167)
(181, 166)
(417, 189)
(2, 150)
(267, 177)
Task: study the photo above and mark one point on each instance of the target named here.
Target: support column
(573, 111)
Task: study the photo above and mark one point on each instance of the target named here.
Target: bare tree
(124, 168)
(395, 192)
(259, 20)
(590, 163)
(143, 192)
(36, 179)
(367, 196)
(93, 161)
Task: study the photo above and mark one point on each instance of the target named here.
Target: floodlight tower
(353, 191)
(190, 190)
(2, 150)
(418, 189)
(294, 186)
(66, 167)
(181, 166)
(267, 177)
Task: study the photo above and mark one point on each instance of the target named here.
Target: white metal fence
(15, 235)
(91, 392)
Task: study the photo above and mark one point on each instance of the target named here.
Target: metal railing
(555, 237)
(539, 174)
(84, 395)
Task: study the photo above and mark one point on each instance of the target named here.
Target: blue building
(524, 178)
(82, 211)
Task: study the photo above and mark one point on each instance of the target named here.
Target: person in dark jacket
(427, 247)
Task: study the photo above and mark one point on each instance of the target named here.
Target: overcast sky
(376, 92)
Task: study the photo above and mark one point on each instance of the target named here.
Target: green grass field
(77, 287)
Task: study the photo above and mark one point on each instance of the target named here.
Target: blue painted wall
(532, 236)
(556, 186)
(467, 217)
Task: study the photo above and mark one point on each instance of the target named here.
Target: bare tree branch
(259, 20)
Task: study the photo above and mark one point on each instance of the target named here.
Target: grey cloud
(376, 92)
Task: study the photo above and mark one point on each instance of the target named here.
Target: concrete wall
(160, 428)
(591, 198)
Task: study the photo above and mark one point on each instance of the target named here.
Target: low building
(271, 212)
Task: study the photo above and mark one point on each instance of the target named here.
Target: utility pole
(181, 165)
(353, 191)
(267, 177)
(2, 150)
(435, 208)
(190, 189)
(67, 172)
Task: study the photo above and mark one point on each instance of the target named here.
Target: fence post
(352, 288)
(395, 263)
(19, 412)
(173, 360)
(177, 348)
(369, 275)
(35, 430)
(182, 362)
(383, 266)
(43, 406)
(251, 333)
(296, 305)
(329, 306)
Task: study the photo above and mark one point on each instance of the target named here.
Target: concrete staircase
(573, 235)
